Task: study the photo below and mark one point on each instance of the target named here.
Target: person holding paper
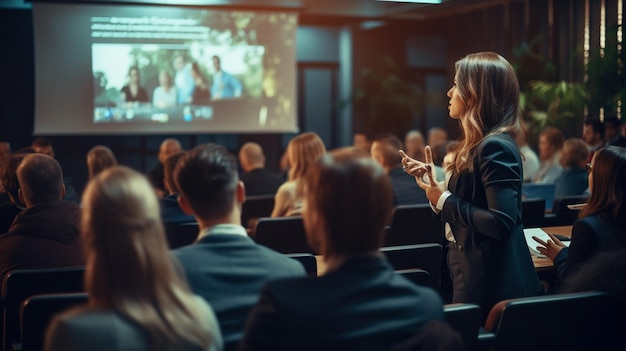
(481, 200)
(602, 222)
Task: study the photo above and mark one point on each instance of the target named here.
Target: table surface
(541, 264)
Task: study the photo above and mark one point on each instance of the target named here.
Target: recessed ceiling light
(415, 1)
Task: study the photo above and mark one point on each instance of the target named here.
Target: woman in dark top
(201, 95)
(573, 180)
(602, 222)
(133, 91)
(481, 200)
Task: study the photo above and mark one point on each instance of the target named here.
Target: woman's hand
(551, 248)
(419, 169)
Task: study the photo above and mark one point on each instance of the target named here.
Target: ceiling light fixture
(415, 1)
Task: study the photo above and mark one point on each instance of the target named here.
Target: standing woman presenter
(481, 199)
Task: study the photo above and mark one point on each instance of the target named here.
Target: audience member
(10, 186)
(362, 140)
(171, 213)
(414, 144)
(133, 92)
(225, 85)
(256, 178)
(605, 271)
(360, 303)
(573, 180)
(303, 150)
(224, 266)
(164, 96)
(612, 135)
(437, 135)
(439, 151)
(550, 144)
(168, 147)
(593, 135)
(384, 150)
(488, 257)
(137, 301)
(43, 145)
(99, 158)
(602, 222)
(530, 160)
(45, 234)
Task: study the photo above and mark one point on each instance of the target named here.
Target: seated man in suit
(385, 151)
(45, 234)
(225, 266)
(256, 178)
(360, 303)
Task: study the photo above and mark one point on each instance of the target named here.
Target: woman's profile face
(456, 107)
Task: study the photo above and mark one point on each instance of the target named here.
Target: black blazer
(484, 214)
(363, 305)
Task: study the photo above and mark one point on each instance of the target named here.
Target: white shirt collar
(225, 228)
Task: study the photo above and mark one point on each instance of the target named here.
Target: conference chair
(283, 234)
(416, 275)
(414, 224)
(535, 190)
(574, 321)
(533, 212)
(37, 312)
(308, 261)
(465, 319)
(18, 285)
(256, 207)
(181, 234)
(423, 256)
(561, 213)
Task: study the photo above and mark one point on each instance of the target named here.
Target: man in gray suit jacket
(224, 265)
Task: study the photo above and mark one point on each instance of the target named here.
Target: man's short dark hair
(596, 125)
(41, 142)
(40, 178)
(207, 177)
(392, 144)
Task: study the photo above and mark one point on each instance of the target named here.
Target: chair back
(414, 224)
(283, 234)
(181, 234)
(308, 261)
(256, 207)
(465, 318)
(544, 191)
(416, 275)
(18, 285)
(37, 312)
(561, 214)
(533, 212)
(423, 256)
(574, 321)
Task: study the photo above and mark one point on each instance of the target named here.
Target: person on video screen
(164, 95)
(133, 91)
(183, 80)
(201, 95)
(225, 85)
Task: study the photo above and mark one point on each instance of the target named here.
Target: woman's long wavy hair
(608, 189)
(487, 84)
(303, 151)
(129, 269)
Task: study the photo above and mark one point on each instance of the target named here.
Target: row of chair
(576, 321)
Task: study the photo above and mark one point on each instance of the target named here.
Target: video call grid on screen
(151, 69)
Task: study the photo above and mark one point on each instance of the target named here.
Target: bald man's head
(41, 180)
(168, 147)
(251, 156)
